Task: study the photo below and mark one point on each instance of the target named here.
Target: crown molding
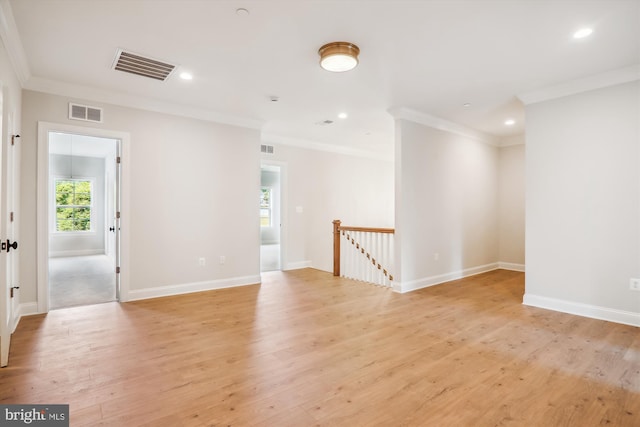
(12, 43)
(271, 138)
(442, 124)
(69, 90)
(38, 84)
(597, 81)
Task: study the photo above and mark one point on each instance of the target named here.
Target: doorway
(83, 198)
(114, 229)
(270, 217)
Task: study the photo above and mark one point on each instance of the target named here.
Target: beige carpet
(81, 280)
(270, 257)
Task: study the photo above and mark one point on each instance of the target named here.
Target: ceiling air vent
(266, 149)
(142, 66)
(85, 113)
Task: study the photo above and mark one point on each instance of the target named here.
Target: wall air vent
(85, 113)
(142, 66)
(268, 149)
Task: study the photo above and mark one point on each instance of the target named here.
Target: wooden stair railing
(348, 232)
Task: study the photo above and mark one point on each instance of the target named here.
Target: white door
(5, 313)
(9, 295)
(11, 220)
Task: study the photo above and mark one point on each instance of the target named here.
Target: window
(73, 204)
(265, 207)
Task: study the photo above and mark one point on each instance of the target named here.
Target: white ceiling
(81, 145)
(428, 56)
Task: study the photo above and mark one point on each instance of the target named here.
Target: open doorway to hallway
(83, 198)
(270, 217)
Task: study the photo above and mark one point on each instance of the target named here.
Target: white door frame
(283, 208)
(42, 224)
(12, 174)
(9, 173)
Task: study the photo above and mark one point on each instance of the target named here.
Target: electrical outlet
(202, 261)
(634, 284)
(223, 259)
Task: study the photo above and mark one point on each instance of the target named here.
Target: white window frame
(269, 208)
(53, 204)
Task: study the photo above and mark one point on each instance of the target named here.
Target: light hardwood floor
(307, 349)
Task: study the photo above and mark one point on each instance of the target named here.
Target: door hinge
(118, 215)
(11, 216)
(13, 139)
(12, 289)
(118, 159)
(117, 270)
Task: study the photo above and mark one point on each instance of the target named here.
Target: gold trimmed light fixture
(339, 56)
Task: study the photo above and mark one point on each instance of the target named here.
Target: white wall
(511, 206)
(583, 203)
(328, 186)
(446, 205)
(193, 193)
(12, 91)
(82, 243)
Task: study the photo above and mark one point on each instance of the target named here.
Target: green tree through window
(265, 207)
(73, 205)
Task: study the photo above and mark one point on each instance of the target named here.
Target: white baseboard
(82, 252)
(511, 266)
(187, 288)
(297, 265)
(25, 309)
(414, 285)
(585, 310)
(29, 309)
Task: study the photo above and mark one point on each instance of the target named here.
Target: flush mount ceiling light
(509, 122)
(339, 56)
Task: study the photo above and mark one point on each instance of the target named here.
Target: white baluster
(367, 238)
(359, 254)
(385, 258)
(350, 256)
(380, 257)
(347, 255)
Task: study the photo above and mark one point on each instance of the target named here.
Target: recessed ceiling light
(509, 122)
(343, 115)
(186, 76)
(274, 98)
(582, 33)
(241, 11)
(466, 104)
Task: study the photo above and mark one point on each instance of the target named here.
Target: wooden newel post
(336, 247)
